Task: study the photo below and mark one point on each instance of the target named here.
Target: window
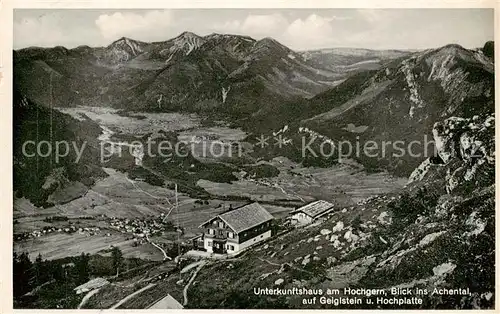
(221, 232)
(231, 247)
(230, 235)
(209, 243)
(221, 224)
(211, 231)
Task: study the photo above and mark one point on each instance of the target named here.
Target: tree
(22, 274)
(82, 268)
(39, 271)
(117, 256)
(56, 271)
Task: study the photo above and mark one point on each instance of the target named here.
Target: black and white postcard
(249, 157)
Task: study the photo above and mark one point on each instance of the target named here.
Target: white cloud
(42, 31)
(313, 32)
(255, 25)
(148, 26)
(264, 24)
(339, 18)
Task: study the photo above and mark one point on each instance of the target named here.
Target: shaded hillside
(38, 175)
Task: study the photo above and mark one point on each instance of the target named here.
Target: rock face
(466, 151)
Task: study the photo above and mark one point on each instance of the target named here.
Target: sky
(299, 29)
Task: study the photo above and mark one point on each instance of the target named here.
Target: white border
(6, 22)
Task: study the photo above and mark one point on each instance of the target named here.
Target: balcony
(216, 236)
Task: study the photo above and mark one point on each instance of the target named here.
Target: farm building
(237, 229)
(310, 212)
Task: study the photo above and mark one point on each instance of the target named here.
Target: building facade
(237, 229)
(310, 212)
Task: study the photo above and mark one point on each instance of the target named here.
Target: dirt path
(165, 256)
(184, 292)
(291, 194)
(36, 289)
(130, 296)
(291, 266)
(191, 266)
(149, 194)
(87, 297)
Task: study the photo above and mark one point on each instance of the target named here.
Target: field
(59, 245)
(137, 124)
(344, 184)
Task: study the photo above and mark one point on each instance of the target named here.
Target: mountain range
(189, 72)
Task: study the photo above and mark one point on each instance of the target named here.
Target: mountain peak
(457, 52)
(270, 44)
(124, 49)
(228, 36)
(188, 34)
(187, 42)
(120, 41)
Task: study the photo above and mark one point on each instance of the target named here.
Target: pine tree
(39, 270)
(22, 274)
(117, 256)
(82, 268)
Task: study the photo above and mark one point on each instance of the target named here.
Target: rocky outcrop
(489, 49)
(466, 151)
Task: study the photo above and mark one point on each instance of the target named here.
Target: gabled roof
(245, 217)
(167, 302)
(315, 209)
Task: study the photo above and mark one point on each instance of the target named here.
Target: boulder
(338, 227)
(325, 231)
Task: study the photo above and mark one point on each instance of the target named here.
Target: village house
(311, 212)
(237, 229)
